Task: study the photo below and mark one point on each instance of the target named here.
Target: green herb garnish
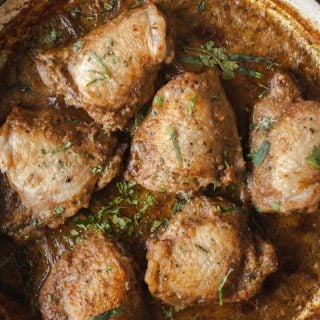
(224, 280)
(175, 142)
(108, 6)
(211, 56)
(108, 314)
(314, 157)
(58, 210)
(201, 5)
(137, 4)
(98, 169)
(178, 206)
(168, 313)
(74, 233)
(155, 225)
(103, 74)
(275, 206)
(192, 104)
(158, 100)
(66, 146)
(51, 36)
(74, 12)
(201, 248)
(265, 124)
(258, 157)
(77, 45)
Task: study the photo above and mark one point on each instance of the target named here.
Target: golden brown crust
(112, 74)
(196, 110)
(95, 276)
(285, 181)
(204, 243)
(49, 158)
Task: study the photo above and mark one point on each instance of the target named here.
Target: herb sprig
(223, 282)
(103, 74)
(314, 157)
(211, 56)
(175, 142)
(108, 314)
(257, 157)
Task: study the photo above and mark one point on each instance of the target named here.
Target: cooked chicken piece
(207, 255)
(110, 72)
(95, 277)
(189, 139)
(285, 149)
(55, 161)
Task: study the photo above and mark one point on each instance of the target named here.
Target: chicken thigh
(110, 72)
(94, 278)
(285, 150)
(54, 161)
(207, 254)
(189, 139)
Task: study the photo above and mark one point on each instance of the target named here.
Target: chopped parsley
(74, 12)
(275, 206)
(77, 45)
(201, 248)
(314, 157)
(258, 157)
(74, 233)
(49, 298)
(168, 313)
(58, 210)
(110, 216)
(66, 146)
(137, 4)
(51, 36)
(158, 100)
(109, 6)
(155, 225)
(138, 117)
(178, 206)
(98, 169)
(175, 142)
(108, 268)
(201, 5)
(108, 314)
(265, 124)
(43, 151)
(224, 280)
(192, 104)
(211, 56)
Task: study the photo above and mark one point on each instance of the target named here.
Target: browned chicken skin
(94, 277)
(206, 244)
(286, 180)
(189, 139)
(110, 72)
(54, 161)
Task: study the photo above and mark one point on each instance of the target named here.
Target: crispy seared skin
(189, 139)
(54, 161)
(204, 243)
(110, 72)
(94, 277)
(286, 182)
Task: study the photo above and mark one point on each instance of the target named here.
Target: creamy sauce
(238, 27)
